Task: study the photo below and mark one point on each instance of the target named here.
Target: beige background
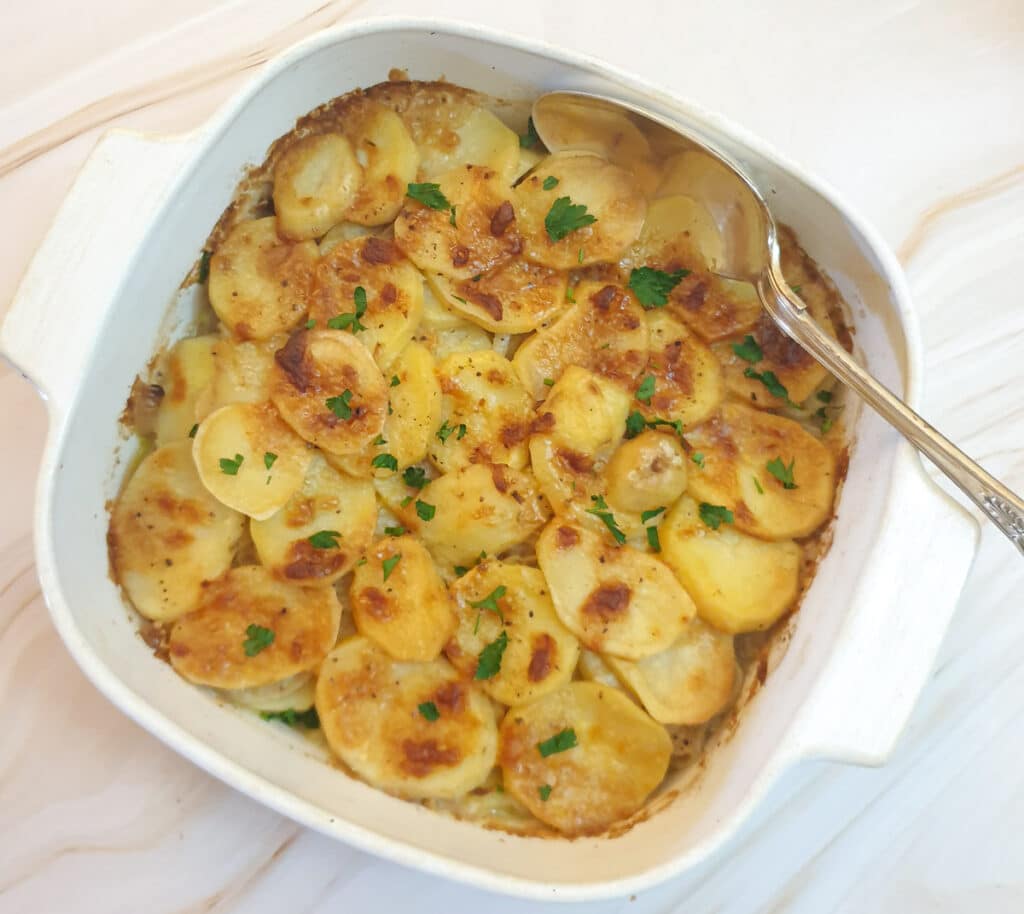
(912, 110)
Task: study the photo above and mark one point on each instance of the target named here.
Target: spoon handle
(997, 502)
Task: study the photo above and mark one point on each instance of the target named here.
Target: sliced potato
(241, 373)
(486, 414)
(186, 373)
(369, 707)
(327, 388)
(687, 376)
(604, 331)
(646, 473)
(528, 159)
(738, 444)
(343, 231)
(437, 316)
(618, 755)
(713, 307)
(232, 449)
(594, 668)
(515, 297)
(390, 161)
(567, 477)
(464, 337)
(251, 629)
(739, 583)
(393, 288)
(327, 501)
(588, 412)
(540, 653)
(615, 599)
(296, 693)
(168, 534)
(408, 612)
(687, 683)
(316, 180)
(678, 231)
(259, 283)
(610, 195)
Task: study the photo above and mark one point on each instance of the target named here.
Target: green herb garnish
(771, 382)
(600, 510)
(635, 424)
(698, 458)
(308, 719)
(781, 472)
(529, 139)
(351, 321)
(549, 382)
(204, 266)
(825, 396)
(748, 350)
(310, 324)
(425, 511)
(230, 467)
(445, 432)
(268, 459)
(257, 639)
(648, 515)
(489, 662)
(562, 740)
(549, 182)
(429, 710)
(544, 791)
(384, 462)
(757, 485)
(715, 515)
(325, 539)
(388, 565)
(646, 390)
(653, 539)
(565, 217)
(395, 381)
(340, 405)
(415, 477)
(394, 531)
(429, 195)
(192, 431)
(652, 287)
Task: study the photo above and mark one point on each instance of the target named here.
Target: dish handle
(886, 651)
(65, 295)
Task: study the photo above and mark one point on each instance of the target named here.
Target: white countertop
(912, 110)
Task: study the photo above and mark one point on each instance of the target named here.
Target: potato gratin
(475, 469)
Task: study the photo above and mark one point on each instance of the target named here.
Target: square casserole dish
(92, 309)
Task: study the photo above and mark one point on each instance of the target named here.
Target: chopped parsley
(781, 472)
(394, 531)
(268, 459)
(325, 539)
(460, 432)
(429, 710)
(635, 424)
(562, 740)
(565, 217)
(649, 515)
(340, 405)
(529, 139)
(310, 324)
(770, 381)
(826, 422)
(698, 458)
(652, 287)
(715, 515)
(425, 511)
(544, 791)
(257, 639)
(379, 441)
(748, 350)
(653, 539)
(825, 396)
(230, 467)
(204, 266)
(549, 382)
(757, 485)
(646, 390)
(395, 381)
(797, 289)
(192, 431)
(569, 296)
(351, 321)
(384, 462)
(451, 219)
(490, 602)
(429, 195)
(444, 432)
(460, 570)
(489, 662)
(600, 510)
(388, 565)
(579, 256)
(550, 182)
(405, 502)
(676, 424)
(415, 477)
(308, 719)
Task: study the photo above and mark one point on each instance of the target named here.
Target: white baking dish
(92, 309)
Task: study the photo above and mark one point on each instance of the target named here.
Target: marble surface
(911, 109)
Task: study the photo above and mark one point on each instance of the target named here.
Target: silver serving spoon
(750, 252)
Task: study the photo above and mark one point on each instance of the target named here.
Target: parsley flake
(308, 719)
(310, 324)
(192, 431)
(429, 195)
(424, 510)
(771, 382)
(565, 217)
(649, 515)
(429, 710)
(600, 510)
(384, 462)
(635, 424)
(489, 662)
(257, 639)
(460, 570)
(460, 432)
(415, 477)
(388, 565)
(204, 266)
(715, 515)
(653, 540)
(748, 350)
(230, 467)
(405, 502)
(824, 396)
(379, 440)
(562, 740)
(652, 287)
(549, 382)
(781, 472)
(444, 432)
(529, 139)
(395, 381)
(698, 458)
(451, 219)
(490, 602)
(394, 531)
(268, 459)
(351, 321)
(646, 390)
(340, 405)
(549, 182)
(757, 485)
(544, 791)
(325, 539)
(569, 296)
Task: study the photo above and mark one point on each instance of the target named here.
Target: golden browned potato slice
(713, 307)
(316, 180)
(399, 600)
(413, 729)
(250, 459)
(477, 236)
(583, 757)
(259, 283)
(513, 298)
(328, 388)
(615, 599)
(646, 473)
(739, 583)
(588, 412)
(794, 368)
(390, 161)
(186, 372)
(241, 373)
(296, 542)
(391, 301)
(738, 445)
(559, 235)
(687, 683)
(687, 376)
(486, 413)
(250, 629)
(604, 332)
(168, 534)
(513, 608)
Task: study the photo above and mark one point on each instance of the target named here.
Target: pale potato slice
(792, 365)
(739, 583)
(688, 382)
(737, 445)
(393, 290)
(343, 231)
(369, 707)
(328, 388)
(413, 419)
(588, 412)
(186, 372)
(249, 458)
(241, 373)
(540, 653)
(168, 534)
(476, 137)
(458, 340)
(296, 693)
(618, 756)
(592, 667)
(610, 194)
(608, 134)
(687, 683)
(251, 629)
(327, 501)
(479, 235)
(259, 283)
(479, 508)
(490, 806)
(513, 298)
(528, 160)
(646, 473)
(678, 228)
(408, 613)
(615, 599)
(316, 180)
(390, 161)
(604, 332)
(486, 414)
(437, 316)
